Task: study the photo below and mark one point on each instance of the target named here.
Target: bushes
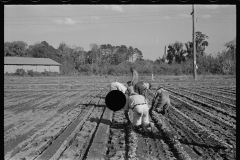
(21, 72)
(31, 73)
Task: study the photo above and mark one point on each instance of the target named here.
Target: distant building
(164, 57)
(133, 58)
(11, 64)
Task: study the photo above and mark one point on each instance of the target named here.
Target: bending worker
(139, 87)
(118, 86)
(138, 104)
(161, 101)
(142, 87)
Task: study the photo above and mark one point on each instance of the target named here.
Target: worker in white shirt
(118, 86)
(138, 104)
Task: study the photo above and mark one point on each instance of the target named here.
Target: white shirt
(133, 100)
(146, 85)
(118, 86)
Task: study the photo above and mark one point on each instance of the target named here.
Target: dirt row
(224, 106)
(216, 97)
(126, 143)
(191, 137)
(223, 131)
(77, 125)
(41, 129)
(211, 90)
(222, 115)
(197, 139)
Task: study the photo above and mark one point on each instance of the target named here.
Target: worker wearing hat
(138, 104)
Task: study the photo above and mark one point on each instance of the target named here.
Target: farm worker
(161, 101)
(138, 105)
(134, 76)
(141, 88)
(118, 86)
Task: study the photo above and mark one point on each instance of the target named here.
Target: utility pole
(165, 50)
(194, 46)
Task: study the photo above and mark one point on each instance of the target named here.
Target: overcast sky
(146, 27)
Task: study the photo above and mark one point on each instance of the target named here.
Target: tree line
(106, 59)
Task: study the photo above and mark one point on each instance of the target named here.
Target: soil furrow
(98, 147)
(215, 91)
(211, 95)
(116, 147)
(219, 100)
(78, 147)
(224, 117)
(227, 107)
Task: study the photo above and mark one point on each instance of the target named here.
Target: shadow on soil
(200, 145)
(118, 125)
(104, 121)
(124, 125)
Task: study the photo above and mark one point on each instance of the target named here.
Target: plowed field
(65, 118)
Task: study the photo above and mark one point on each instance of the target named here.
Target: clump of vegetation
(106, 59)
(31, 73)
(21, 72)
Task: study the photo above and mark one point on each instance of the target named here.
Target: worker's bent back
(118, 86)
(161, 101)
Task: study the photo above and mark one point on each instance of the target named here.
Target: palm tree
(201, 44)
(176, 52)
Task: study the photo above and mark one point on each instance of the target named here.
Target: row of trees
(106, 59)
(179, 52)
(223, 63)
(74, 58)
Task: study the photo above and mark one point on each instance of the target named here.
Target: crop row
(218, 112)
(78, 147)
(210, 95)
(223, 106)
(217, 151)
(224, 132)
(170, 136)
(213, 90)
(199, 138)
(35, 144)
(227, 92)
(46, 129)
(25, 121)
(116, 146)
(77, 141)
(98, 147)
